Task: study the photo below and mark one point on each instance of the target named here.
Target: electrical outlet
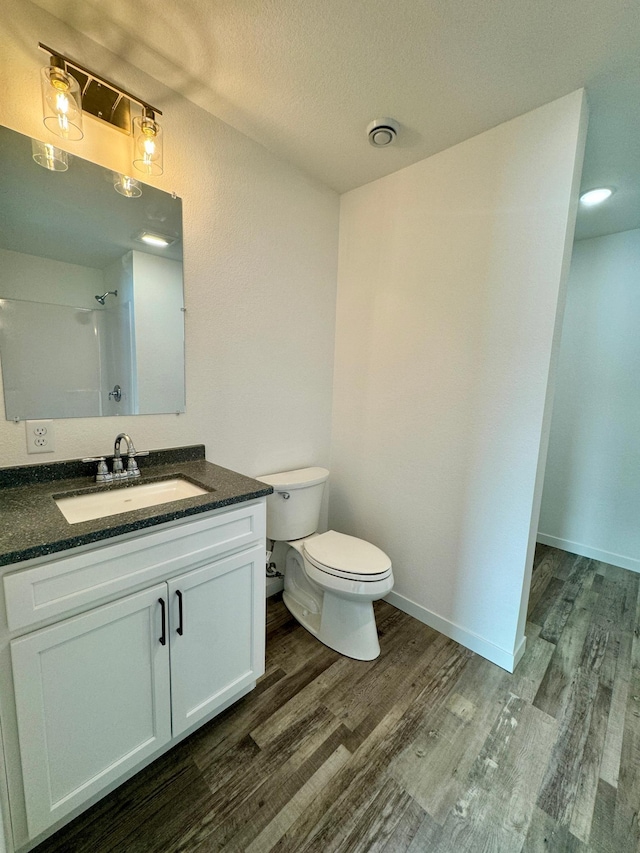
(41, 437)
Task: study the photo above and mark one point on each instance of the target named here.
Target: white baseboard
(620, 560)
(501, 657)
(274, 585)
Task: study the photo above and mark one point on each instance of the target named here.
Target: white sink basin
(78, 508)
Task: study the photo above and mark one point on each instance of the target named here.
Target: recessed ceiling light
(157, 240)
(596, 196)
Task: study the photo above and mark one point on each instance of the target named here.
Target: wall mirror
(91, 312)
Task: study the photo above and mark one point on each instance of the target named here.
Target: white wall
(449, 280)
(43, 280)
(260, 256)
(591, 498)
(159, 338)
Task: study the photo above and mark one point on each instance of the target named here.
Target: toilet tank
(293, 510)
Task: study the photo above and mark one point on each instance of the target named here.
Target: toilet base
(344, 625)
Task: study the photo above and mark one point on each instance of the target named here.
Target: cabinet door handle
(179, 628)
(163, 637)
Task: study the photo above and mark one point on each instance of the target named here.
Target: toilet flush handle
(285, 495)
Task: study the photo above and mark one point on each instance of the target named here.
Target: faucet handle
(103, 474)
(132, 467)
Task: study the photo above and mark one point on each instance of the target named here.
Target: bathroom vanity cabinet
(114, 652)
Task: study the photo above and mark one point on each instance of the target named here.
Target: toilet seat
(347, 557)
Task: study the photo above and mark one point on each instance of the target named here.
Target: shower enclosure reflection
(72, 381)
(85, 305)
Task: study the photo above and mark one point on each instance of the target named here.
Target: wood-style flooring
(428, 748)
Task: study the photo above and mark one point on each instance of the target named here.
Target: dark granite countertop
(31, 525)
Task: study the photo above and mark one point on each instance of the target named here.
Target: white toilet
(330, 579)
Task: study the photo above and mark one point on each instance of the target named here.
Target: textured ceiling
(305, 77)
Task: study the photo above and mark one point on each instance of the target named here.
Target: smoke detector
(382, 132)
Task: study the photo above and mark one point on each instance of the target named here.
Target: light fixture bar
(91, 76)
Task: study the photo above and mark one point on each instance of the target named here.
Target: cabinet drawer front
(58, 587)
(92, 698)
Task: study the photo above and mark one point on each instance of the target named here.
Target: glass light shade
(147, 144)
(126, 186)
(50, 157)
(61, 103)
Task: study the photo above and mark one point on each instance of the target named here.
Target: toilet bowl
(330, 579)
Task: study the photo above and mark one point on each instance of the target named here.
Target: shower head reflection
(102, 299)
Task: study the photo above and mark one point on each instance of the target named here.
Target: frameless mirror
(91, 306)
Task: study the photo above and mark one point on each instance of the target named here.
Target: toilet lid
(347, 554)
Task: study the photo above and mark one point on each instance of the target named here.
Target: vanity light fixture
(157, 240)
(69, 89)
(126, 186)
(50, 157)
(595, 196)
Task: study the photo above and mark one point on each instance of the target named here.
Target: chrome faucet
(104, 475)
(132, 465)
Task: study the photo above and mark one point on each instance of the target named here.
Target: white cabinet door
(217, 631)
(93, 701)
